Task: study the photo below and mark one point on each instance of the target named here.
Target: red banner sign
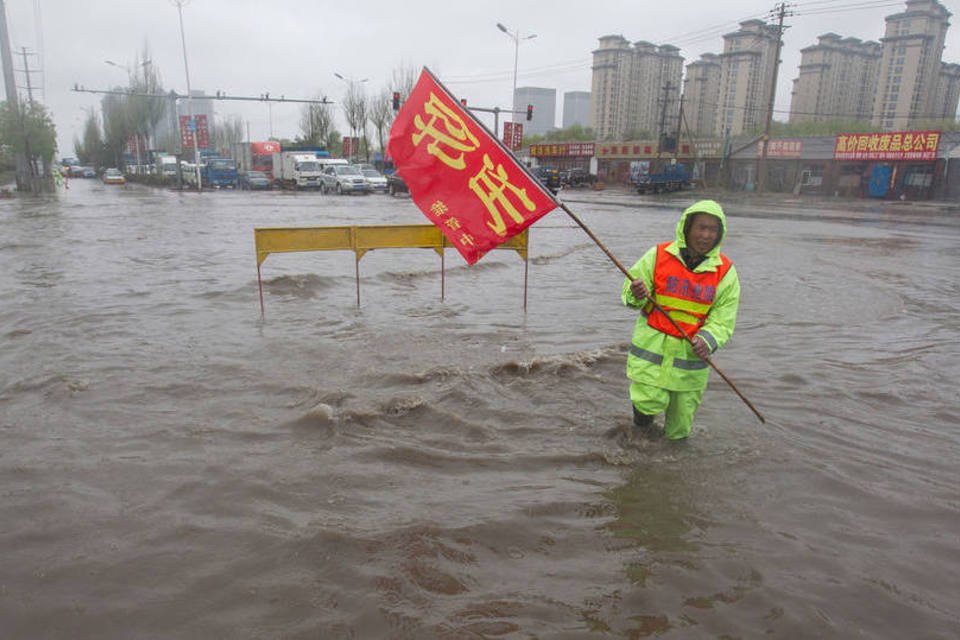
(136, 144)
(897, 145)
(459, 176)
(187, 132)
(513, 135)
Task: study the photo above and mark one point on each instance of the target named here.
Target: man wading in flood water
(698, 286)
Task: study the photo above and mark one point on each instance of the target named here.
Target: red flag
(459, 175)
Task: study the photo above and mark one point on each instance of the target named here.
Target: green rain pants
(680, 407)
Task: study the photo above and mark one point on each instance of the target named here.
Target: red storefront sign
(562, 149)
(895, 145)
(782, 148)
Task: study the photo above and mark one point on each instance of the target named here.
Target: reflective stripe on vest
(657, 359)
(685, 295)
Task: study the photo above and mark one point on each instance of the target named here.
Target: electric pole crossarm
(179, 96)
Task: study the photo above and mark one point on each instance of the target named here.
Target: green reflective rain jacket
(666, 361)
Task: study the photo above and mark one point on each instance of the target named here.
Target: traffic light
(529, 112)
(396, 100)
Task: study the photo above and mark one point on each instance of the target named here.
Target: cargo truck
(166, 167)
(255, 156)
(657, 177)
(219, 173)
(296, 170)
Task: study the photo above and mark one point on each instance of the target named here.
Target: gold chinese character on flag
(448, 135)
(459, 175)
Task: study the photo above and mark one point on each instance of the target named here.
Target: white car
(343, 178)
(375, 180)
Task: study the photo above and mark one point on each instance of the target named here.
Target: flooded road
(172, 466)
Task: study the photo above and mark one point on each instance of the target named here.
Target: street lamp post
(350, 107)
(515, 36)
(186, 69)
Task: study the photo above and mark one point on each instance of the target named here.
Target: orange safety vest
(685, 295)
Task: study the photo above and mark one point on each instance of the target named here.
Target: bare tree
(316, 121)
(115, 128)
(355, 111)
(226, 133)
(404, 79)
(381, 116)
(143, 113)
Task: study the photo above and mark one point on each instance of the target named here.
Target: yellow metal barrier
(366, 238)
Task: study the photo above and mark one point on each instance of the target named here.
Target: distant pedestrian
(699, 288)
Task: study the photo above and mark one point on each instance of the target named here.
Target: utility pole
(13, 99)
(193, 123)
(781, 12)
(676, 149)
(26, 71)
(31, 161)
(661, 134)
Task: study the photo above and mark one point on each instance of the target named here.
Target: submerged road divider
(361, 239)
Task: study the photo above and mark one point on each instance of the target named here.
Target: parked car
(375, 179)
(548, 177)
(254, 180)
(77, 171)
(395, 184)
(113, 176)
(343, 178)
(576, 177)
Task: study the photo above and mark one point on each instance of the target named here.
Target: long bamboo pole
(593, 237)
(657, 307)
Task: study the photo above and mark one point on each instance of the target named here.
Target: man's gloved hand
(701, 348)
(639, 289)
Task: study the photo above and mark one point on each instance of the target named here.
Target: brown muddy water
(172, 466)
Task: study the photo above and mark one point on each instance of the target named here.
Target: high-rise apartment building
(635, 88)
(701, 91)
(837, 81)
(544, 102)
(576, 108)
(910, 65)
(948, 92)
(746, 71)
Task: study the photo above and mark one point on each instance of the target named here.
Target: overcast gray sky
(294, 47)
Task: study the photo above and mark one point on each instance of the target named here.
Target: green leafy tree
(817, 128)
(334, 143)
(90, 150)
(28, 129)
(573, 133)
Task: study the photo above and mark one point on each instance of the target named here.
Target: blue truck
(647, 177)
(220, 173)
